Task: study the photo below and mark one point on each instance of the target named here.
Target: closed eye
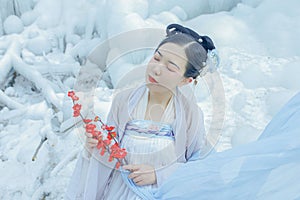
(171, 68)
(157, 55)
(171, 65)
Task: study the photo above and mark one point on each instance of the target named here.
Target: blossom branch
(104, 145)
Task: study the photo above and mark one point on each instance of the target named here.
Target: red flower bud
(103, 151)
(107, 142)
(77, 107)
(90, 128)
(109, 128)
(76, 113)
(117, 152)
(103, 145)
(75, 98)
(111, 135)
(96, 119)
(96, 133)
(110, 158)
(87, 121)
(71, 93)
(103, 127)
(118, 164)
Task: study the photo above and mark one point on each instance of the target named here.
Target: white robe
(264, 169)
(90, 175)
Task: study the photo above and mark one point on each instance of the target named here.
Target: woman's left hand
(141, 174)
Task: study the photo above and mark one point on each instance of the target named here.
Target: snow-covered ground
(44, 43)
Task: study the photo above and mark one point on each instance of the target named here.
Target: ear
(186, 81)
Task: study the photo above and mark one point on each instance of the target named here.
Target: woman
(160, 128)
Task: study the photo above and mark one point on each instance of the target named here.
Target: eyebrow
(168, 60)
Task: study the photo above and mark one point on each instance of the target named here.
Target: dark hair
(196, 47)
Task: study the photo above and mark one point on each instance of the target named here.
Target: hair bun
(205, 41)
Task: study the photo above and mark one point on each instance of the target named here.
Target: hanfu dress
(147, 142)
(179, 137)
(264, 169)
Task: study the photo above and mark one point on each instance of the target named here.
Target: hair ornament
(213, 60)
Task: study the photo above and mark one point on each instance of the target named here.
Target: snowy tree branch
(6, 61)
(10, 103)
(13, 114)
(33, 75)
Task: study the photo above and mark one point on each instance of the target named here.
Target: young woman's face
(166, 68)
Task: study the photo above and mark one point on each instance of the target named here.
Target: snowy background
(43, 44)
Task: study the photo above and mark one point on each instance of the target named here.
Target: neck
(159, 98)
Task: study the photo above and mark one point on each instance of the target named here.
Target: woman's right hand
(90, 142)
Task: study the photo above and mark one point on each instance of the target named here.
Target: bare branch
(38, 148)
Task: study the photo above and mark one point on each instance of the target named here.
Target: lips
(152, 80)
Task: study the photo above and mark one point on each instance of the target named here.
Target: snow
(29, 17)
(39, 45)
(13, 24)
(10, 8)
(44, 43)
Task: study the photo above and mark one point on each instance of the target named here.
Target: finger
(141, 183)
(92, 140)
(91, 143)
(91, 146)
(89, 135)
(133, 175)
(137, 180)
(131, 167)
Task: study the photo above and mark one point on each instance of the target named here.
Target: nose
(156, 69)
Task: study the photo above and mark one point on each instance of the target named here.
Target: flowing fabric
(265, 169)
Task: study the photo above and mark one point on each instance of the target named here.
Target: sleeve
(193, 149)
(85, 153)
(113, 116)
(163, 173)
(87, 168)
(197, 139)
(76, 185)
